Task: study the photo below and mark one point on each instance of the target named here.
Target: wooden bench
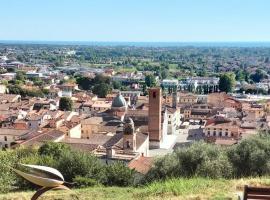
(262, 193)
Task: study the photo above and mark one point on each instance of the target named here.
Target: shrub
(119, 174)
(251, 157)
(76, 163)
(164, 168)
(7, 177)
(53, 149)
(200, 159)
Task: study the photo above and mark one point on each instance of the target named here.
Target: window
(214, 134)
(226, 134)
(128, 144)
(5, 138)
(154, 94)
(6, 146)
(208, 133)
(232, 134)
(220, 134)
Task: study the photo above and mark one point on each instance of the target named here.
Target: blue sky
(135, 20)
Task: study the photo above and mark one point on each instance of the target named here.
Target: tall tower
(129, 136)
(174, 100)
(154, 115)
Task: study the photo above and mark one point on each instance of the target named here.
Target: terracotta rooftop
(39, 138)
(142, 164)
(225, 142)
(13, 132)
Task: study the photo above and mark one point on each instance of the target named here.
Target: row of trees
(83, 169)
(251, 157)
(100, 85)
(17, 89)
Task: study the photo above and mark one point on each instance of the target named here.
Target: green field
(196, 188)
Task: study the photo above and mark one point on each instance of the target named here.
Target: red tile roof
(142, 164)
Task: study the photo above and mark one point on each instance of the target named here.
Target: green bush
(119, 174)
(76, 163)
(53, 149)
(202, 159)
(7, 176)
(164, 168)
(251, 157)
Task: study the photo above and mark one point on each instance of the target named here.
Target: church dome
(119, 102)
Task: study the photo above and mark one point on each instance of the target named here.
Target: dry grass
(185, 189)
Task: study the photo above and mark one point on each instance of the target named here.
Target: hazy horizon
(141, 44)
(136, 21)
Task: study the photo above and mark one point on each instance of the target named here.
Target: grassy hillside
(196, 188)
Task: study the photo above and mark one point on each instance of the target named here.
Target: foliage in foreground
(73, 165)
(251, 157)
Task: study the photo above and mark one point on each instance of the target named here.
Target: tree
(20, 76)
(76, 163)
(240, 75)
(227, 82)
(116, 85)
(99, 78)
(164, 74)
(251, 156)
(150, 80)
(84, 82)
(258, 76)
(101, 90)
(53, 149)
(65, 104)
(37, 81)
(119, 174)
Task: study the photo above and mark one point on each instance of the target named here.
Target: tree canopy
(65, 104)
(101, 90)
(150, 80)
(227, 82)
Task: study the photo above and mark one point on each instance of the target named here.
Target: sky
(135, 20)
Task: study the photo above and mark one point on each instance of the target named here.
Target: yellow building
(90, 126)
(188, 99)
(222, 128)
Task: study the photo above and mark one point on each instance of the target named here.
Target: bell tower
(129, 135)
(154, 116)
(174, 97)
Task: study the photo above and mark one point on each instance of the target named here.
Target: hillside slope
(196, 188)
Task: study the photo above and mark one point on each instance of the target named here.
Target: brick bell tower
(154, 116)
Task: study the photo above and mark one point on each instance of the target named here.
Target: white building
(166, 83)
(8, 136)
(34, 75)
